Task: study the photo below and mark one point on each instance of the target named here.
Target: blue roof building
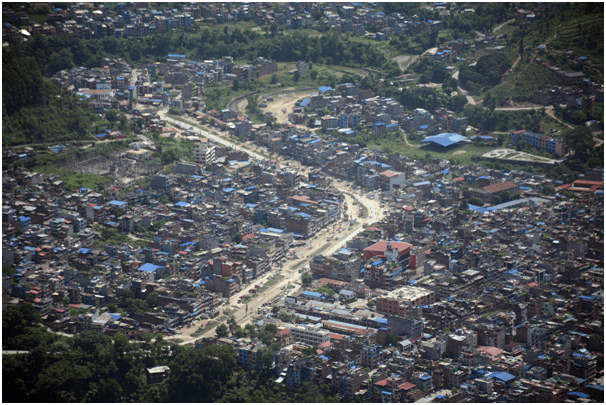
(445, 140)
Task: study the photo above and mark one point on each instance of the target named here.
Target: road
(470, 99)
(315, 245)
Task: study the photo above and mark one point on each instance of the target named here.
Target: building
(157, 374)
(397, 301)
(312, 335)
(489, 193)
(302, 68)
(204, 153)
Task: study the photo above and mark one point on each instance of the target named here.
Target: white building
(204, 153)
(312, 335)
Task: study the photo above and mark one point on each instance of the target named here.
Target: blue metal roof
(150, 267)
(445, 139)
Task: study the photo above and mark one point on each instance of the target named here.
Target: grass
(201, 330)
(73, 180)
(412, 152)
(37, 18)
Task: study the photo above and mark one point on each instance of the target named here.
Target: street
(314, 246)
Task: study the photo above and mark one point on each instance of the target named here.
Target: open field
(418, 151)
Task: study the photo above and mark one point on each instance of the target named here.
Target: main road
(317, 244)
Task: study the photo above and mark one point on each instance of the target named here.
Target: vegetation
(38, 111)
(93, 367)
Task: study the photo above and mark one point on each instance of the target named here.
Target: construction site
(116, 165)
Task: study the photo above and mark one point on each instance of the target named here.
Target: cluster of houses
(503, 303)
(576, 92)
(135, 20)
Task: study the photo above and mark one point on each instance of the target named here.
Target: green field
(462, 154)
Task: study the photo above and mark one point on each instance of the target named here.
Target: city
(377, 217)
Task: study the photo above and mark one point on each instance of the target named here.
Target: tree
(222, 331)
(313, 74)
(111, 116)
(268, 359)
(464, 206)
(371, 304)
(237, 238)
(297, 76)
(476, 201)
(275, 309)
(251, 330)
(236, 85)
(231, 323)
(579, 140)
(274, 79)
(392, 338)
(307, 279)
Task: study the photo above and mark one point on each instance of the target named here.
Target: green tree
(307, 279)
(392, 338)
(579, 140)
(464, 206)
(476, 201)
(274, 79)
(222, 330)
(297, 76)
(313, 74)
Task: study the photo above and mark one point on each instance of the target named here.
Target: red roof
(498, 187)
(382, 383)
(284, 332)
(325, 344)
(382, 246)
(388, 173)
(490, 350)
(407, 386)
(336, 336)
(250, 235)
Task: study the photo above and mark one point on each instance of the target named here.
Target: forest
(36, 110)
(56, 53)
(93, 367)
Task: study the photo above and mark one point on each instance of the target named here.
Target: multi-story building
(312, 335)
(204, 153)
(397, 301)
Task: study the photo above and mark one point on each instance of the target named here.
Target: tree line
(93, 367)
(60, 52)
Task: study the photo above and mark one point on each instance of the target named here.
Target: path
(498, 27)
(470, 99)
(552, 115)
(409, 144)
